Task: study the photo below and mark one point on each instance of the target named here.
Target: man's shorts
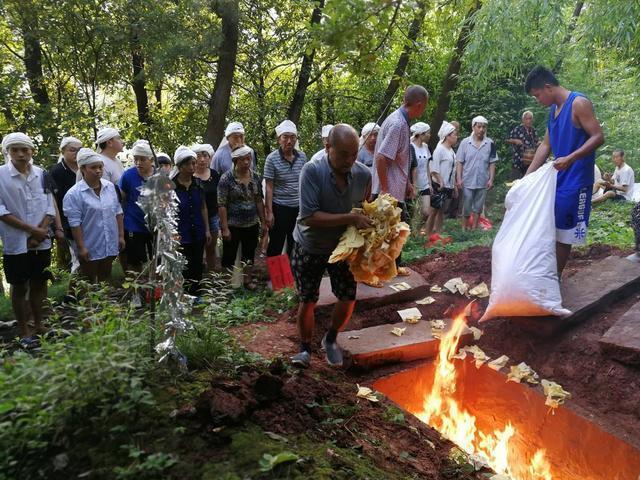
(308, 270)
(138, 247)
(473, 200)
(23, 267)
(572, 209)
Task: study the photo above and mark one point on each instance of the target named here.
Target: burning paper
(477, 333)
(456, 285)
(498, 363)
(556, 395)
(366, 393)
(437, 324)
(399, 287)
(398, 331)
(478, 354)
(426, 301)
(522, 371)
(410, 315)
(436, 289)
(481, 290)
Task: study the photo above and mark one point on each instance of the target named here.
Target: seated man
(621, 188)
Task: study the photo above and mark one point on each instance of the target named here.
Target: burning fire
(444, 414)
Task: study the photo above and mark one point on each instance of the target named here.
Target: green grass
(610, 224)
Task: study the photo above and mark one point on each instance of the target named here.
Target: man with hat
(326, 129)
(109, 144)
(475, 170)
(282, 197)
(63, 175)
(26, 211)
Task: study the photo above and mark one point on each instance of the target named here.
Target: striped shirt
(285, 176)
(393, 143)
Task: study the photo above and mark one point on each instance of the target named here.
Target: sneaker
(301, 360)
(333, 352)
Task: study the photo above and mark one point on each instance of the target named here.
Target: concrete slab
(588, 290)
(374, 346)
(622, 340)
(369, 297)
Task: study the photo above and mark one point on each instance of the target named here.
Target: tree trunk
(403, 61)
(139, 82)
(158, 95)
(228, 12)
(297, 102)
(572, 26)
(450, 82)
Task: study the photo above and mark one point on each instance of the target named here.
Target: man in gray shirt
(330, 187)
(282, 198)
(475, 170)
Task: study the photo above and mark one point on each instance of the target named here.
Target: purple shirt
(394, 142)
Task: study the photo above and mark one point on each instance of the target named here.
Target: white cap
(233, 127)
(203, 147)
(17, 139)
(479, 119)
(287, 126)
(446, 129)
(141, 148)
(183, 153)
(86, 156)
(241, 151)
(69, 141)
(419, 128)
(326, 130)
(104, 135)
(368, 128)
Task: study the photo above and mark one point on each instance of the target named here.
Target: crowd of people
(88, 201)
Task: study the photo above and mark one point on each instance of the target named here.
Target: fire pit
(508, 424)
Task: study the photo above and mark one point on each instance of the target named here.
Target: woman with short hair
(209, 179)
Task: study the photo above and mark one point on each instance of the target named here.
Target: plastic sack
(524, 277)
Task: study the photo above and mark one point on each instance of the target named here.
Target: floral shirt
(529, 140)
(240, 199)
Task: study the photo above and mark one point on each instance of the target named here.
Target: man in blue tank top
(573, 135)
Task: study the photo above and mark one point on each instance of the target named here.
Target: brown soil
(602, 390)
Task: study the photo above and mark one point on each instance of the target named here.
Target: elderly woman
(208, 179)
(241, 209)
(193, 216)
(420, 135)
(95, 218)
(442, 177)
(524, 140)
(368, 138)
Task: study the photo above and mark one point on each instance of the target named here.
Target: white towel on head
(183, 153)
(286, 126)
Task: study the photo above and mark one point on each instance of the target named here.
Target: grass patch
(610, 224)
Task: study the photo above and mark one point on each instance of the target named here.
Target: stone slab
(369, 297)
(375, 346)
(590, 289)
(622, 340)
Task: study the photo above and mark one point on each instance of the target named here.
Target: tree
(228, 12)
(403, 61)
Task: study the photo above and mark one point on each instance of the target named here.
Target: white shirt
(113, 169)
(96, 215)
(423, 155)
(23, 197)
(318, 155)
(443, 163)
(624, 177)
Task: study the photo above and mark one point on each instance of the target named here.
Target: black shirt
(63, 179)
(210, 188)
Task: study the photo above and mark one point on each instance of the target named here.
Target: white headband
(141, 148)
(203, 147)
(233, 127)
(183, 153)
(69, 141)
(17, 138)
(287, 126)
(241, 151)
(86, 156)
(326, 130)
(368, 128)
(445, 130)
(420, 128)
(104, 135)
(479, 119)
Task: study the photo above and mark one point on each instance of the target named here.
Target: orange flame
(445, 415)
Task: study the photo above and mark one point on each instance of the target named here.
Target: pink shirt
(394, 143)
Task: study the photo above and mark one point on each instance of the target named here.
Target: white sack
(524, 278)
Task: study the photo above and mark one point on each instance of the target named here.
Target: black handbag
(439, 194)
